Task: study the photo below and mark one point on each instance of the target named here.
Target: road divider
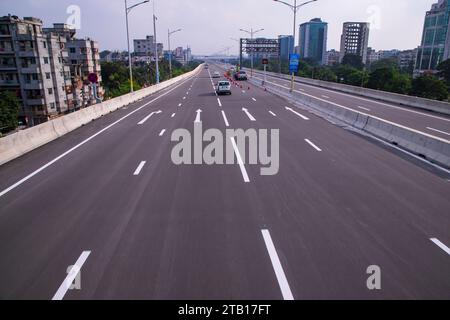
(72, 274)
(248, 114)
(277, 267)
(139, 168)
(297, 113)
(313, 145)
(427, 146)
(24, 141)
(225, 119)
(394, 98)
(441, 245)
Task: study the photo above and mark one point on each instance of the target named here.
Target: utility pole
(127, 11)
(169, 34)
(295, 8)
(156, 50)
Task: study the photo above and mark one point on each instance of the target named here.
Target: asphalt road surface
(140, 227)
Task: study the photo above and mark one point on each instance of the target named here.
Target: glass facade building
(435, 38)
(313, 40)
(286, 46)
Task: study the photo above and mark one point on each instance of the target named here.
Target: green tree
(429, 87)
(389, 63)
(389, 79)
(353, 60)
(9, 111)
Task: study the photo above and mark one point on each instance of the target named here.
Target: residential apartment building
(406, 59)
(313, 40)
(332, 57)
(435, 45)
(146, 47)
(372, 55)
(83, 59)
(32, 66)
(355, 40)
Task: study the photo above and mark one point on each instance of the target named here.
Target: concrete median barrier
(22, 142)
(383, 96)
(434, 149)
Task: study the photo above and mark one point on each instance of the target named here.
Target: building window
(44, 44)
(50, 90)
(52, 105)
(47, 76)
(45, 60)
(72, 50)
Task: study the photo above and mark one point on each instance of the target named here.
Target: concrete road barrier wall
(435, 149)
(388, 97)
(24, 141)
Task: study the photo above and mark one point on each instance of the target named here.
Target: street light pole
(251, 33)
(127, 11)
(170, 51)
(156, 50)
(294, 8)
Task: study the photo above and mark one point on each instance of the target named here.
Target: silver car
(223, 87)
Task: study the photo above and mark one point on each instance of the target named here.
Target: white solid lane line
(148, 117)
(297, 113)
(441, 245)
(48, 164)
(225, 118)
(71, 276)
(162, 132)
(219, 102)
(436, 130)
(240, 162)
(272, 113)
(139, 168)
(363, 108)
(326, 97)
(277, 267)
(248, 114)
(313, 145)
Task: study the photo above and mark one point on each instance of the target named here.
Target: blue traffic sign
(293, 62)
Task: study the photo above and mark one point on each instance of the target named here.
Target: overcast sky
(208, 24)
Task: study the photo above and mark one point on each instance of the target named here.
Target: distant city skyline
(394, 24)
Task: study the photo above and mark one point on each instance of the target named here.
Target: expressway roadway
(108, 199)
(430, 123)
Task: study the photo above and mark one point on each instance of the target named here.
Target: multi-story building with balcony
(32, 66)
(83, 59)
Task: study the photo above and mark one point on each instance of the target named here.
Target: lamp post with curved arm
(294, 8)
(127, 11)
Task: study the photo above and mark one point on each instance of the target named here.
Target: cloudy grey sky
(209, 24)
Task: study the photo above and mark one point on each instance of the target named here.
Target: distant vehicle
(216, 74)
(233, 69)
(241, 76)
(206, 66)
(223, 87)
